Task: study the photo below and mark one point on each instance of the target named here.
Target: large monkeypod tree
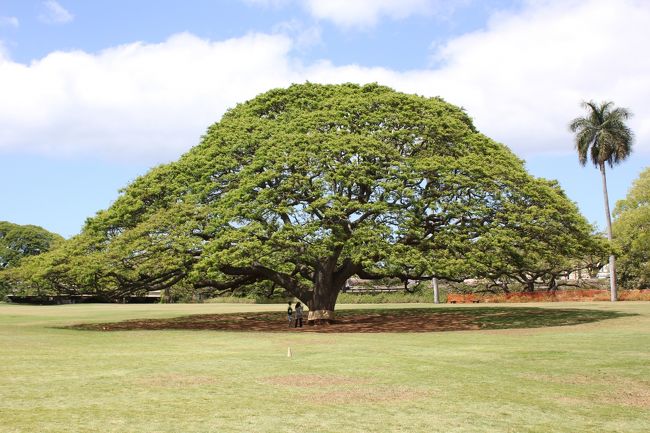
(304, 187)
(314, 184)
(310, 185)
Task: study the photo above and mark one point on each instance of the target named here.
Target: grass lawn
(589, 377)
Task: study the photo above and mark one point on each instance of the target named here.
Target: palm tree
(603, 137)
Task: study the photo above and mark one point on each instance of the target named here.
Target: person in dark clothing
(298, 315)
(290, 313)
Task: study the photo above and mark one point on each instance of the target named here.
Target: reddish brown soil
(275, 322)
(402, 320)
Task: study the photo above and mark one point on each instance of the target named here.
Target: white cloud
(366, 13)
(9, 22)
(146, 101)
(302, 35)
(54, 13)
(522, 79)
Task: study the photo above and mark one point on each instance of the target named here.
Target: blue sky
(93, 94)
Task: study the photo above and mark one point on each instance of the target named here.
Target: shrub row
(344, 298)
(555, 296)
(385, 298)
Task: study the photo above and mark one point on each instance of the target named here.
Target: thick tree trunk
(608, 218)
(323, 299)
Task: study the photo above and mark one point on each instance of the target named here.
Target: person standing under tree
(298, 315)
(290, 313)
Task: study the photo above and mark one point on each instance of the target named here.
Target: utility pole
(434, 283)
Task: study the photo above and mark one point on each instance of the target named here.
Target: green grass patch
(588, 375)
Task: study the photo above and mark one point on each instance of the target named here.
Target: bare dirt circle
(364, 321)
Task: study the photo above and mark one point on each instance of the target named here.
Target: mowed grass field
(590, 377)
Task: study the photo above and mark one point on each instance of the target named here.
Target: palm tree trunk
(608, 218)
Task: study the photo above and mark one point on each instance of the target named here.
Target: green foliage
(18, 241)
(539, 237)
(602, 136)
(632, 234)
(229, 299)
(389, 298)
(17, 244)
(302, 188)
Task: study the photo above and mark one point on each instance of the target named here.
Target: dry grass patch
(312, 380)
(639, 397)
(176, 381)
(397, 394)
(344, 389)
(613, 389)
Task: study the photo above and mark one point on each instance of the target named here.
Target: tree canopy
(602, 136)
(304, 187)
(18, 241)
(632, 229)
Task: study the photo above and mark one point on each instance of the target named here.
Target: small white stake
(289, 352)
